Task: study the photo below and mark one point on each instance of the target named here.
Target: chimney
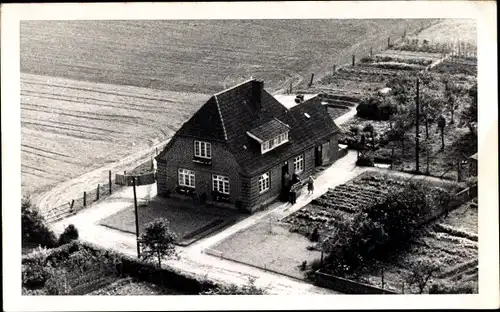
(257, 91)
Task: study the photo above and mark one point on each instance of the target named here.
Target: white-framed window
(298, 163)
(264, 182)
(202, 149)
(186, 177)
(265, 146)
(274, 142)
(220, 184)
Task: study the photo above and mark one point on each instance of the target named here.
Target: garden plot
(457, 66)
(401, 60)
(344, 201)
(460, 143)
(187, 220)
(270, 246)
(453, 250)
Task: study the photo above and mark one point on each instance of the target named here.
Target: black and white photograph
(300, 155)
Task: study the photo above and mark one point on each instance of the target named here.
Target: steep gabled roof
(206, 123)
(229, 115)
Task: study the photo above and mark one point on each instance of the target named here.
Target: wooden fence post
(110, 182)
(71, 206)
(403, 288)
(371, 51)
(334, 68)
(84, 199)
(388, 42)
(97, 198)
(353, 60)
(291, 87)
(312, 77)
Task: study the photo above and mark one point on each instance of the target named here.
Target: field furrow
(69, 127)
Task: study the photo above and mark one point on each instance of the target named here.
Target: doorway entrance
(318, 156)
(285, 181)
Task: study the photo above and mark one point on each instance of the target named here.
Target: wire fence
(88, 197)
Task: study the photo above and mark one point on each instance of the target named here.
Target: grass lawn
(184, 217)
(278, 250)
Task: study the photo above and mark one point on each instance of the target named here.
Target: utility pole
(417, 129)
(136, 221)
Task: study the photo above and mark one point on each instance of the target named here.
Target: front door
(318, 156)
(284, 182)
(284, 171)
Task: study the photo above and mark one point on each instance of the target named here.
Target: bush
(232, 289)
(440, 288)
(36, 274)
(365, 161)
(388, 225)
(58, 284)
(70, 233)
(34, 227)
(376, 108)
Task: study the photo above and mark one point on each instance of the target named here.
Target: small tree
(451, 94)
(431, 108)
(158, 240)
(70, 233)
(441, 124)
(421, 273)
(469, 115)
(370, 129)
(34, 227)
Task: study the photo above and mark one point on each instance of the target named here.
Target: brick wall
(180, 155)
(255, 199)
(243, 188)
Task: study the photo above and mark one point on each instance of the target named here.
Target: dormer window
(278, 140)
(270, 135)
(202, 149)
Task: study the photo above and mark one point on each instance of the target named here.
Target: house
(237, 147)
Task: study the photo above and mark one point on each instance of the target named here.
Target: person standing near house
(310, 185)
(293, 194)
(286, 186)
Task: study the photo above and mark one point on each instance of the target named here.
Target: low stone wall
(347, 286)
